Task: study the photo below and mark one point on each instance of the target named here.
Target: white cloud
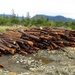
(48, 7)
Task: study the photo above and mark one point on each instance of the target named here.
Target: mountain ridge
(54, 18)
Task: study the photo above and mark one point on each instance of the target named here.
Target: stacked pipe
(33, 39)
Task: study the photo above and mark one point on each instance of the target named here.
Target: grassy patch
(7, 28)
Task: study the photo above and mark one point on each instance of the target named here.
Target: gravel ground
(44, 62)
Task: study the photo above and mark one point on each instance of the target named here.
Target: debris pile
(33, 39)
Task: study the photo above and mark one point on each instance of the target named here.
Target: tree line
(28, 22)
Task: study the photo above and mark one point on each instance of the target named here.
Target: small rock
(26, 73)
(21, 60)
(12, 73)
(64, 73)
(15, 56)
(5, 72)
(1, 72)
(17, 62)
(29, 62)
(50, 73)
(32, 69)
(24, 63)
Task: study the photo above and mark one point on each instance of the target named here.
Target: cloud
(49, 7)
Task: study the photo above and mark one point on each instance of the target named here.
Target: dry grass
(20, 27)
(7, 28)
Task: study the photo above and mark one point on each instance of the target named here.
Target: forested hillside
(35, 21)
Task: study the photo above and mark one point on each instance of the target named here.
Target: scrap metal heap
(33, 39)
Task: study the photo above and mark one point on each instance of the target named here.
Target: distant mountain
(9, 15)
(54, 18)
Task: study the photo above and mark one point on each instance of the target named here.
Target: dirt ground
(44, 62)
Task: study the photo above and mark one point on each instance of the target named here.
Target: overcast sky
(47, 7)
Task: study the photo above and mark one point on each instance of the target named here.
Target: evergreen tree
(27, 20)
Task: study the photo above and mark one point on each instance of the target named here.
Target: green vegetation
(28, 22)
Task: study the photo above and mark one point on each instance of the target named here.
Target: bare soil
(44, 62)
